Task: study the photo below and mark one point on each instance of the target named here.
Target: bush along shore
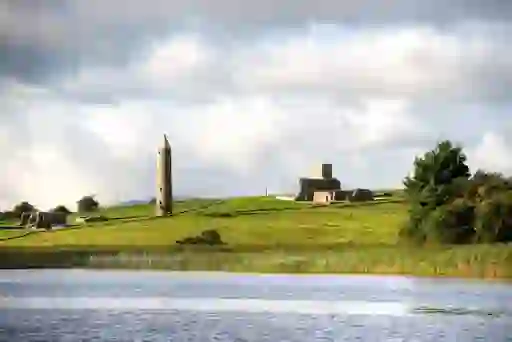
(446, 222)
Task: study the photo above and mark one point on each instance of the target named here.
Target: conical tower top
(166, 144)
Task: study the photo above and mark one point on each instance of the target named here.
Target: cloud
(48, 38)
(244, 111)
(419, 62)
(493, 153)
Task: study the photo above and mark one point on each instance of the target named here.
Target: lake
(87, 305)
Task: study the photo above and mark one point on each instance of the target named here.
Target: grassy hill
(242, 222)
(263, 235)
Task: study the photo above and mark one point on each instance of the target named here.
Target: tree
(87, 204)
(449, 206)
(437, 168)
(439, 177)
(23, 207)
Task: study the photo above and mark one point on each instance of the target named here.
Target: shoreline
(497, 280)
(489, 263)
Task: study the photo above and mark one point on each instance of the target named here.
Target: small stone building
(323, 197)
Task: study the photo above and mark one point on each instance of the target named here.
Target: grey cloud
(44, 38)
(469, 63)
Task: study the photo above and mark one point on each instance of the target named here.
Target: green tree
(23, 207)
(87, 204)
(439, 177)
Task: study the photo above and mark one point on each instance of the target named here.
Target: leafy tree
(437, 168)
(87, 204)
(449, 206)
(439, 177)
(23, 207)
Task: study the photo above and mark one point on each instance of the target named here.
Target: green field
(263, 235)
(241, 222)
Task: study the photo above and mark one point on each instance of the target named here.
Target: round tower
(163, 203)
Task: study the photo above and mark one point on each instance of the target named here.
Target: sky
(252, 94)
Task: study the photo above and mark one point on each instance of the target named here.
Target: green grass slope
(242, 222)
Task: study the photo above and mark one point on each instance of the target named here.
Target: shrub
(494, 218)
(8, 215)
(450, 223)
(413, 229)
(208, 237)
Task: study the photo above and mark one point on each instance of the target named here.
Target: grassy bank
(483, 261)
(262, 235)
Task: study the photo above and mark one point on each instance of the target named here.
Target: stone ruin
(43, 219)
(361, 195)
(324, 189)
(324, 183)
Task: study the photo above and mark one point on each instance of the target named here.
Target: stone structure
(327, 171)
(43, 219)
(163, 203)
(322, 171)
(361, 195)
(309, 185)
(323, 197)
(342, 195)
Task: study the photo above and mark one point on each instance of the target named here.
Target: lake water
(84, 305)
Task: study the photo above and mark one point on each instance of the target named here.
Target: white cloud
(123, 129)
(493, 154)
(173, 60)
(245, 115)
(411, 61)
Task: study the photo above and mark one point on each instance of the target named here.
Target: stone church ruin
(324, 189)
(324, 183)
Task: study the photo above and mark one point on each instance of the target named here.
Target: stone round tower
(163, 203)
